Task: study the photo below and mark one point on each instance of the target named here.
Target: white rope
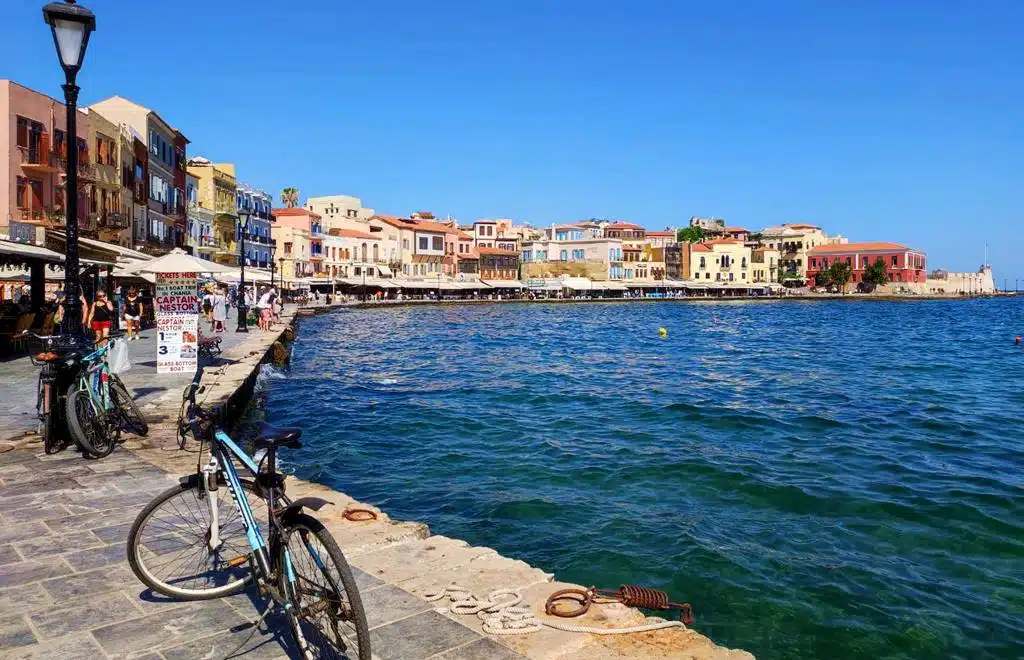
(503, 613)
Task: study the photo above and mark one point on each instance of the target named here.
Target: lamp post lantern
(280, 261)
(71, 25)
(243, 313)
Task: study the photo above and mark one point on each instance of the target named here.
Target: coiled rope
(503, 613)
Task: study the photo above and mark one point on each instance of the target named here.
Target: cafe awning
(504, 284)
(12, 251)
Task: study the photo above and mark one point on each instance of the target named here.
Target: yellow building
(721, 260)
(765, 265)
(793, 241)
(217, 187)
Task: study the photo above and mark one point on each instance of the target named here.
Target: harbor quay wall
(401, 561)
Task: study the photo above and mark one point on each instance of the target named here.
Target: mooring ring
(581, 596)
(359, 515)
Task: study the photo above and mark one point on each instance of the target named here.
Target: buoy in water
(664, 333)
(1017, 340)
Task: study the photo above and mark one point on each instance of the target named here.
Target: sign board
(177, 323)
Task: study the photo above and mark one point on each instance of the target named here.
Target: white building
(341, 212)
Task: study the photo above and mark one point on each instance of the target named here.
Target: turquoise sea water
(819, 479)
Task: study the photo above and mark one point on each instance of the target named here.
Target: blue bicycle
(99, 406)
(203, 539)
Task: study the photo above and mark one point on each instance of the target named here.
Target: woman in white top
(264, 309)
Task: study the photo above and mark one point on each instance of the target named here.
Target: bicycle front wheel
(327, 617)
(89, 425)
(170, 549)
(134, 422)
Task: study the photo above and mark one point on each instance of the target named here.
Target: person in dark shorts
(132, 314)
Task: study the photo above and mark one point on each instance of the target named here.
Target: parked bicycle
(202, 539)
(99, 406)
(58, 362)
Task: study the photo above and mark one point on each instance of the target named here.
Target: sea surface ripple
(820, 479)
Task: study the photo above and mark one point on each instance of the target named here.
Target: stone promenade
(66, 590)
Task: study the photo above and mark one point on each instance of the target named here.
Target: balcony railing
(37, 156)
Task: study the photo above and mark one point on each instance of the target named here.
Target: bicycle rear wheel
(134, 422)
(328, 614)
(169, 550)
(90, 426)
(48, 407)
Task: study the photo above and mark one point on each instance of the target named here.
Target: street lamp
(438, 286)
(273, 264)
(280, 260)
(243, 313)
(71, 26)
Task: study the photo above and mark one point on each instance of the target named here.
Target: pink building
(902, 264)
(32, 135)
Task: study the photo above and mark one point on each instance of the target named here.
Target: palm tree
(290, 197)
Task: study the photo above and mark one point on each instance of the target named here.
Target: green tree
(756, 237)
(839, 274)
(290, 197)
(823, 278)
(691, 235)
(875, 274)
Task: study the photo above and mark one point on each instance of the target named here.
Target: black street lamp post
(280, 261)
(243, 312)
(273, 264)
(364, 282)
(71, 26)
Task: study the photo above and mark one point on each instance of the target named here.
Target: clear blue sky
(881, 120)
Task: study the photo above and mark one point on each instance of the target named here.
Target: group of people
(217, 299)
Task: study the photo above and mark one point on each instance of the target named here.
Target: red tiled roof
(845, 248)
(463, 235)
(733, 230)
(659, 234)
(622, 225)
(700, 247)
(724, 241)
(426, 225)
(467, 255)
(797, 225)
(490, 250)
(295, 211)
(352, 233)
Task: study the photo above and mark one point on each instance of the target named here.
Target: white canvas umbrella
(177, 261)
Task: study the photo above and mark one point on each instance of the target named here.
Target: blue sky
(878, 120)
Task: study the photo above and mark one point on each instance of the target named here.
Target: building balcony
(39, 159)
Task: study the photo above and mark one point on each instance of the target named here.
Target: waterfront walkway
(66, 590)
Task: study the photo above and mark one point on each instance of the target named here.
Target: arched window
(375, 253)
(364, 252)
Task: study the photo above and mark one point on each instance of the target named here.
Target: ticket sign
(177, 323)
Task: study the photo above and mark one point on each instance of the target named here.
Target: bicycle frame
(222, 450)
(95, 378)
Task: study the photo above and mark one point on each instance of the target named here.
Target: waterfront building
(903, 265)
(292, 230)
(736, 233)
(661, 239)
(259, 204)
(217, 188)
(351, 253)
(764, 265)
(720, 260)
(201, 237)
(165, 209)
(496, 264)
(32, 169)
(108, 216)
(793, 241)
(140, 190)
(500, 234)
(424, 247)
(978, 282)
(674, 266)
(341, 212)
(577, 253)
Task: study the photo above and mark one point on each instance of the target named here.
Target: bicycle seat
(270, 437)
